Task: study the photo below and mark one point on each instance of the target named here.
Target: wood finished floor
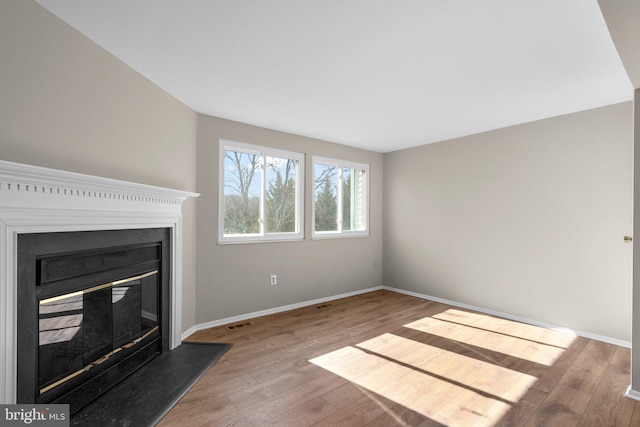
(387, 359)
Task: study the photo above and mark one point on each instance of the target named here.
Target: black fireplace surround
(93, 307)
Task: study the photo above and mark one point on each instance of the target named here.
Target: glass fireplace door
(81, 330)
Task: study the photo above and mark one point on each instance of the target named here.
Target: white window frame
(262, 236)
(340, 233)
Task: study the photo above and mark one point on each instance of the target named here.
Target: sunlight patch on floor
(479, 375)
(454, 389)
(508, 327)
(501, 342)
(435, 398)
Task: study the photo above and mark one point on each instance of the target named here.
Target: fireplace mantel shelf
(34, 199)
(39, 181)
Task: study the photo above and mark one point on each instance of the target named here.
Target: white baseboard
(190, 332)
(608, 340)
(242, 317)
(274, 310)
(632, 394)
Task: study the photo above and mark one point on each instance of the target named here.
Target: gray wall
(526, 220)
(67, 104)
(622, 17)
(234, 279)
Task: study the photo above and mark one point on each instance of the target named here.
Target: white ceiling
(375, 74)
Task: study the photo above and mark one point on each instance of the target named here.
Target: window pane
(281, 195)
(242, 192)
(326, 197)
(353, 203)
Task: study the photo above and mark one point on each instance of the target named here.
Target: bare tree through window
(242, 192)
(261, 193)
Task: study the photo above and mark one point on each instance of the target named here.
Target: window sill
(258, 241)
(338, 236)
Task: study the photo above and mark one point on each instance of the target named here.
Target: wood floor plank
(388, 359)
(399, 415)
(307, 414)
(635, 418)
(362, 412)
(345, 394)
(517, 415)
(194, 413)
(605, 408)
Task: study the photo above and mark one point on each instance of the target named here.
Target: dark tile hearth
(148, 394)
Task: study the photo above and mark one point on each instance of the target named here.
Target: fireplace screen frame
(32, 249)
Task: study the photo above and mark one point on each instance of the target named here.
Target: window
(340, 199)
(261, 193)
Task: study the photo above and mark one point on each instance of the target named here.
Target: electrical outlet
(274, 280)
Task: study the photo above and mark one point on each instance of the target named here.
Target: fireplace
(90, 324)
(92, 309)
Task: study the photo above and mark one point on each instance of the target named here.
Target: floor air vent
(239, 325)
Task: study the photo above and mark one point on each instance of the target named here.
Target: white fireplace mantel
(38, 200)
